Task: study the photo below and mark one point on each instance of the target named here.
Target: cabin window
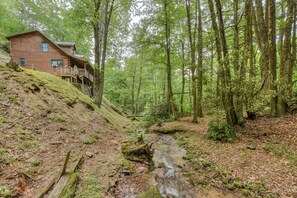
(44, 47)
(22, 62)
(57, 62)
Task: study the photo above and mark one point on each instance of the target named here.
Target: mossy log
(164, 130)
(138, 152)
(66, 180)
(65, 187)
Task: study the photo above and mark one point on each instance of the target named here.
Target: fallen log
(65, 186)
(43, 190)
(66, 180)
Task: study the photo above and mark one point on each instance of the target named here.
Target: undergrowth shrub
(219, 130)
(157, 114)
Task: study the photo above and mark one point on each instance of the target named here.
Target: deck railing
(70, 71)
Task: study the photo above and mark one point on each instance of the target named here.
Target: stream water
(168, 160)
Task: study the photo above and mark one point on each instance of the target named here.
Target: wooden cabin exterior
(34, 50)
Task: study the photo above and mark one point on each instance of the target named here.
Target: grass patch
(6, 159)
(151, 192)
(281, 151)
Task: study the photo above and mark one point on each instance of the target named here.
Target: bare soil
(39, 125)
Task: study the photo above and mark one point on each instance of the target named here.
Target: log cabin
(34, 50)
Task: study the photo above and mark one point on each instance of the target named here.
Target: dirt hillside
(43, 117)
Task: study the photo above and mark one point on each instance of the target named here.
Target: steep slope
(43, 117)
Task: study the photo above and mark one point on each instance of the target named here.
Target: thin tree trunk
(133, 91)
(200, 62)
(138, 91)
(183, 78)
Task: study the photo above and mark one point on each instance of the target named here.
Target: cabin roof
(66, 44)
(78, 59)
(62, 43)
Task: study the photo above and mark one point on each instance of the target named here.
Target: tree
(272, 56)
(192, 41)
(200, 62)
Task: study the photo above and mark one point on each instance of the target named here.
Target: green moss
(32, 170)
(245, 192)
(90, 188)
(56, 117)
(151, 192)
(34, 162)
(6, 191)
(65, 89)
(3, 150)
(12, 97)
(89, 140)
(6, 159)
(127, 165)
(2, 120)
(70, 188)
(30, 145)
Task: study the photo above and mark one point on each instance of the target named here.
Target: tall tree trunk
(170, 103)
(248, 56)
(193, 66)
(97, 36)
(200, 62)
(294, 54)
(238, 95)
(260, 21)
(101, 48)
(226, 74)
(272, 57)
(285, 59)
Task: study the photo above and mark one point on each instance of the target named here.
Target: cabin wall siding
(28, 46)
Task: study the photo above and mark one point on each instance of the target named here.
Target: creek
(168, 161)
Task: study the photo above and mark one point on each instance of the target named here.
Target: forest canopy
(192, 57)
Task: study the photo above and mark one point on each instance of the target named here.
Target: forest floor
(43, 117)
(262, 162)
